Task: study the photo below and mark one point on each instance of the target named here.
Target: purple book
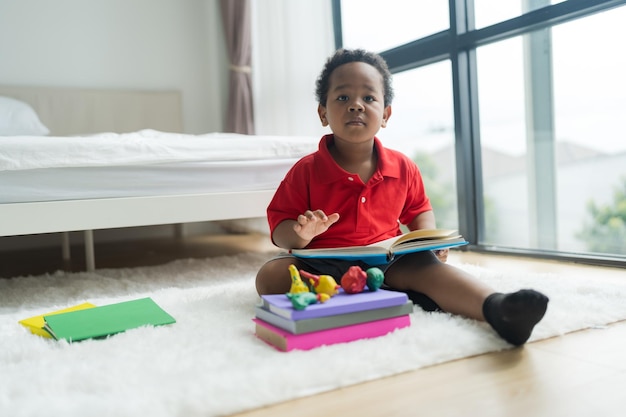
(341, 303)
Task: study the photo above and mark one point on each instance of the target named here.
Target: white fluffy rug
(210, 363)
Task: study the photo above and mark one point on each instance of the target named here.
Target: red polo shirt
(368, 212)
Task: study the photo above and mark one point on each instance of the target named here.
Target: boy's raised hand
(313, 223)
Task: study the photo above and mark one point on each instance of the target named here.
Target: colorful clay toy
(375, 278)
(302, 300)
(322, 284)
(297, 285)
(325, 286)
(355, 280)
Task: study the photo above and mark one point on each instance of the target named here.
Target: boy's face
(355, 109)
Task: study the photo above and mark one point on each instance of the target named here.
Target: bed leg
(90, 257)
(65, 246)
(179, 230)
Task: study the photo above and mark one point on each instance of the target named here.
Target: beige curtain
(287, 60)
(237, 31)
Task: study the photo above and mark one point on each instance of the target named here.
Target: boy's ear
(386, 116)
(321, 110)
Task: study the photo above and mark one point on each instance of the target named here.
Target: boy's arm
(297, 234)
(285, 237)
(426, 220)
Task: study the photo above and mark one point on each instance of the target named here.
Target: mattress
(143, 163)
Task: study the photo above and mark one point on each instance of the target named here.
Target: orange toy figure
(322, 284)
(297, 285)
(354, 280)
(302, 300)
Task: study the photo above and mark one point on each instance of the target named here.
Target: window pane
(590, 110)
(378, 25)
(421, 126)
(489, 12)
(551, 115)
(503, 143)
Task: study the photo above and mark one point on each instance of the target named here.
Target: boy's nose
(356, 106)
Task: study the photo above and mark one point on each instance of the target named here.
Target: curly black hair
(345, 56)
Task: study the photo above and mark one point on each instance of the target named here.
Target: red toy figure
(354, 280)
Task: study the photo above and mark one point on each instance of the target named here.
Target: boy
(353, 191)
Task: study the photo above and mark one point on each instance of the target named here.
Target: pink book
(285, 341)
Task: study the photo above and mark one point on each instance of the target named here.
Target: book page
(425, 234)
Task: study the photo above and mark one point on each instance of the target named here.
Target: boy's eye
(369, 98)
(342, 98)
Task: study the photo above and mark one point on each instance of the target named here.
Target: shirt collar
(329, 171)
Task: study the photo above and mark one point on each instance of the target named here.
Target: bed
(111, 159)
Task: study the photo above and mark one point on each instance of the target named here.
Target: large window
(422, 127)
(518, 110)
(551, 105)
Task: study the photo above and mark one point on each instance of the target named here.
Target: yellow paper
(36, 324)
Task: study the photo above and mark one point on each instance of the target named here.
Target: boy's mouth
(356, 122)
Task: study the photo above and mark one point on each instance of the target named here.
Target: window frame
(458, 44)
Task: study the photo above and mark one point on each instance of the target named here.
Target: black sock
(514, 315)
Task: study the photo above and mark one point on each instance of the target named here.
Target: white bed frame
(64, 112)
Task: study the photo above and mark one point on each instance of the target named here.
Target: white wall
(168, 45)
(120, 44)
(127, 44)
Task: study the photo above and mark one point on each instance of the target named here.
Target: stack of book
(343, 318)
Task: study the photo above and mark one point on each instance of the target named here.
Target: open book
(385, 250)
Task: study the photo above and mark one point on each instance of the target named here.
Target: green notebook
(106, 320)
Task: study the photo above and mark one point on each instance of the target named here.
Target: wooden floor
(580, 374)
